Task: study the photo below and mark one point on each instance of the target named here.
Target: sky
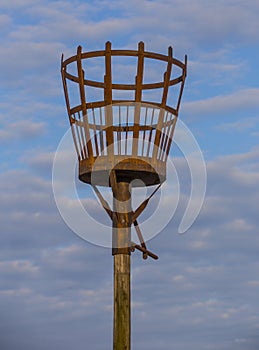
(56, 288)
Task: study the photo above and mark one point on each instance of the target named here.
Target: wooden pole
(121, 252)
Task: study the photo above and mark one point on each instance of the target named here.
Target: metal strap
(113, 215)
(143, 205)
(105, 204)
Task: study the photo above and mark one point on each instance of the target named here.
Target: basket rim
(124, 53)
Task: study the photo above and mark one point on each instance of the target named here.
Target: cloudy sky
(55, 288)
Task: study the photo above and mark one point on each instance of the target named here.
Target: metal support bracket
(134, 215)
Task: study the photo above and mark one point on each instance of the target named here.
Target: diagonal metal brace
(142, 247)
(113, 216)
(105, 204)
(143, 205)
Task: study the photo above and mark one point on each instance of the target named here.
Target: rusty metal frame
(161, 131)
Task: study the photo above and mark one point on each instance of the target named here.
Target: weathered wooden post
(121, 252)
(118, 141)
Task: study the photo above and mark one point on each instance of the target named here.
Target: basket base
(137, 171)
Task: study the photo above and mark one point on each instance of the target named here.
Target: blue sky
(56, 289)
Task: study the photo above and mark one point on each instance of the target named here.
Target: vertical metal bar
(167, 76)
(171, 137)
(95, 135)
(127, 126)
(161, 145)
(108, 100)
(71, 120)
(167, 137)
(83, 101)
(79, 140)
(119, 132)
(177, 108)
(182, 85)
(101, 130)
(144, 133)
(151, 131)
(63, 70)
(163, 102)
(74, 138)
(138, 95)
(82, 134)
(140, 70)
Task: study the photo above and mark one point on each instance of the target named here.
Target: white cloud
(17, 266)
(15, 292)
(241, 225)
(178, 278)
(200, 22)
(236, 101)
(22, 129)
(34, 57)
(239, 125)
(198, 245)
(15, 4)
(5, 21)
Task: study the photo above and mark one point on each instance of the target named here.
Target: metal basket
(131, 135)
